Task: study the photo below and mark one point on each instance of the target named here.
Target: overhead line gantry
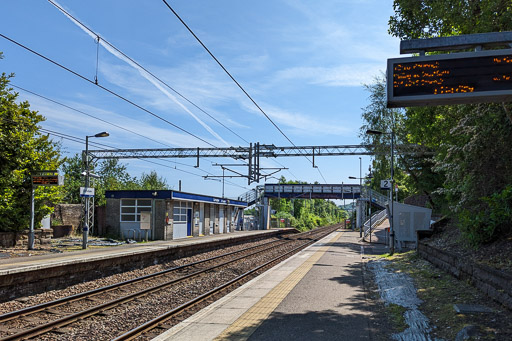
(254, 152)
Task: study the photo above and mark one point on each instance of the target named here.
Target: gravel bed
(17, 304)
(129, 315)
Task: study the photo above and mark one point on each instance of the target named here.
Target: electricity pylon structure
(252, 154)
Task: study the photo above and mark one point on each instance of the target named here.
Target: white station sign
(87, 192)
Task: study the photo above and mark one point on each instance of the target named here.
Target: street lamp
(87, 175)
(392, 133)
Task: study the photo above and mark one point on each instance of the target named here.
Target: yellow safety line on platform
(246, 324)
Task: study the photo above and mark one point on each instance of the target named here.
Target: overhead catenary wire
(131, 60)
(89, 115)
(104, 146)
(112, 124)
(107, 122)
(106, 89)
(143, 68)
(233, 79)
(104, 41)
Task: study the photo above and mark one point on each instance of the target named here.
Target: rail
(67, 317)
(377, 198)
(376, 220)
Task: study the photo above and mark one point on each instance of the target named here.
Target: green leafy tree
(306, 214)
(152, 181)
(434, 18)
(113, 175)
(73, 179)
(23, 150)
(473, 142)
(376, 116)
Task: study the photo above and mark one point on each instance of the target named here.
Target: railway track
(156, 299)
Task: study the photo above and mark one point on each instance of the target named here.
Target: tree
(376, 116)
(473, 142)
(73, 179)
(152, 181)
(23, 150)
(306, 214)
(113, 176)
(433, 18)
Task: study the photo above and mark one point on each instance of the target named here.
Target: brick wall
(494, 283)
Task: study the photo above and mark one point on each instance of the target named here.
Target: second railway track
(119, 310)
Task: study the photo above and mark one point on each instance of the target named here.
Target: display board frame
(477, 96)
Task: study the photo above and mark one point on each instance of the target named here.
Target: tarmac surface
(35, 263)
(317, 294)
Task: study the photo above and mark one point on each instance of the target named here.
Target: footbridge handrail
(376, 220)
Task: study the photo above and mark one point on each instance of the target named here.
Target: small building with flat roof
(168, 214)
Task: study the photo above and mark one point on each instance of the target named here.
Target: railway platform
(317, 294)
(21, 276)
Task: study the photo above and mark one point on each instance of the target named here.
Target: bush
(492, 221)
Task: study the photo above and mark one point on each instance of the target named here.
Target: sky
(304, 63)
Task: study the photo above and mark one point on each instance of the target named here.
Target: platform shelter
(167, 214)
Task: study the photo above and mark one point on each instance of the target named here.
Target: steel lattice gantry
(258, 150)
(254, 152)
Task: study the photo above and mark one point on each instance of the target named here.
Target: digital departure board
(450, 79)
(46, 178)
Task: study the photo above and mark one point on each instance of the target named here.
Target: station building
(167, 214)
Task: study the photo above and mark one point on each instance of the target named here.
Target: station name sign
(446, 79)
(47, 178)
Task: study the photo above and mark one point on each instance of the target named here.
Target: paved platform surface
(317, 294)
(23, 264)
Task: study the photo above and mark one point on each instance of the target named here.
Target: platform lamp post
(87, 175)
(360, 191)
(392, 133)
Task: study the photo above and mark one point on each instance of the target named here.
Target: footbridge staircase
(378, 200)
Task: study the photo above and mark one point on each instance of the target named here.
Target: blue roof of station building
(168, 194)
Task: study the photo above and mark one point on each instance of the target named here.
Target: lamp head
(102, 134)
(374, 132)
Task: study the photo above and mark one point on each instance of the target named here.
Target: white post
(31, 231)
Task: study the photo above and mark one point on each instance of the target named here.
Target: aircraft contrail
(142, 72)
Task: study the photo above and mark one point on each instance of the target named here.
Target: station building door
(182, 219)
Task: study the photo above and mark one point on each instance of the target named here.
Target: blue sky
(304, 63)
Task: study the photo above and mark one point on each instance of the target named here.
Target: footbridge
(365, 197)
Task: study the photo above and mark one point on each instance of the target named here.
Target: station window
(179, 211)
(131, 208)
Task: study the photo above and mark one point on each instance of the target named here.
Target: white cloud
(302, 124)
(343, 75)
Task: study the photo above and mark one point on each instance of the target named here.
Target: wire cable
(226, 71)
(143, 68)
(104, 146)
(112, 124)
(232, 78)
(89, 115)
(106, 89)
